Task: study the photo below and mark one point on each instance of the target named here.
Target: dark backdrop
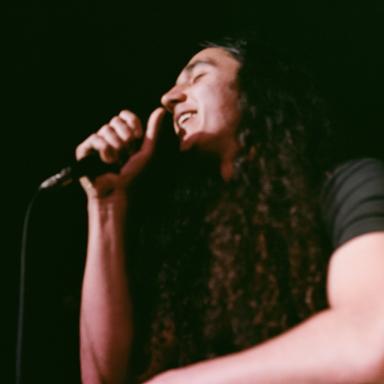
(70, 66)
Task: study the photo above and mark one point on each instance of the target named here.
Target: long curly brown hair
(219, 266)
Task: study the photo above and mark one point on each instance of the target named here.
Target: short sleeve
(353, 200)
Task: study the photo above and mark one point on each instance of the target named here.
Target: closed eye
(197, 77)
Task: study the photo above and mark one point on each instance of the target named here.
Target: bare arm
(344, 344)
(106, 327)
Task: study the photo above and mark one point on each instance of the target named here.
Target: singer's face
(205, 102)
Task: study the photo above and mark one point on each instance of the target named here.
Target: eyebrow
(190, 67)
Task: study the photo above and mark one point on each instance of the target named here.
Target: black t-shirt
(353, 200)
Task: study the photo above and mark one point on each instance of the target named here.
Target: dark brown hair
(223, 266)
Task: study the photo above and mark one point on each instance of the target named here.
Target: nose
(174, 96)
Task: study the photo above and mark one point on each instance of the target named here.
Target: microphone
(90, 166)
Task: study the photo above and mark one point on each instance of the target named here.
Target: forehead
(216, 58)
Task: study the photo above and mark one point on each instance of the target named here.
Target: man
(248, 265)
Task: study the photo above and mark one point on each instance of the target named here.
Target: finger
(84, 149)
(109, 134)
(97, 143)
(87, 184)
(123, 130)
(153, 127)
(133, 122)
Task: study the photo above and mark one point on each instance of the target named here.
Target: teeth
(183, 118)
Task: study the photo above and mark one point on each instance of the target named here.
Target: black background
(71, 66)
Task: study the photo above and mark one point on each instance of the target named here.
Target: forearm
(331, 347)
(344, 344)
(105, 322)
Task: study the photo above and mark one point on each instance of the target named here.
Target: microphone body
(90, 166)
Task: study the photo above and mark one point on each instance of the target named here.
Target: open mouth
(184, 118)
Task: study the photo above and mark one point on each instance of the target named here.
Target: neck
(226, 167)
(226, 170)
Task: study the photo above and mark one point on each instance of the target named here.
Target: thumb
(153, 127)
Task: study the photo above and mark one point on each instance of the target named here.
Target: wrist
(116, 202)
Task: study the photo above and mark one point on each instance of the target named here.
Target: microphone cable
(22, 292)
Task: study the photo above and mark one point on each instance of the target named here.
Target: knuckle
(98, 142)
(125, 112)
(104, 129)
(104, 146)
(116, 120)
(126, 134)
(129, 117)
(94, 138)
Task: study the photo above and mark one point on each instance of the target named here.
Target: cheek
(222, 99)
(220, 107)
(229, 111)
(227, 97)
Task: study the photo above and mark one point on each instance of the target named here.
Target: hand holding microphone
(106, 156)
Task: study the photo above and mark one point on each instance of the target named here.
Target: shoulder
(353, 199)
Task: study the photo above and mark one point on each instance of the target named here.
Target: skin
(206, 86)
(342, 344)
